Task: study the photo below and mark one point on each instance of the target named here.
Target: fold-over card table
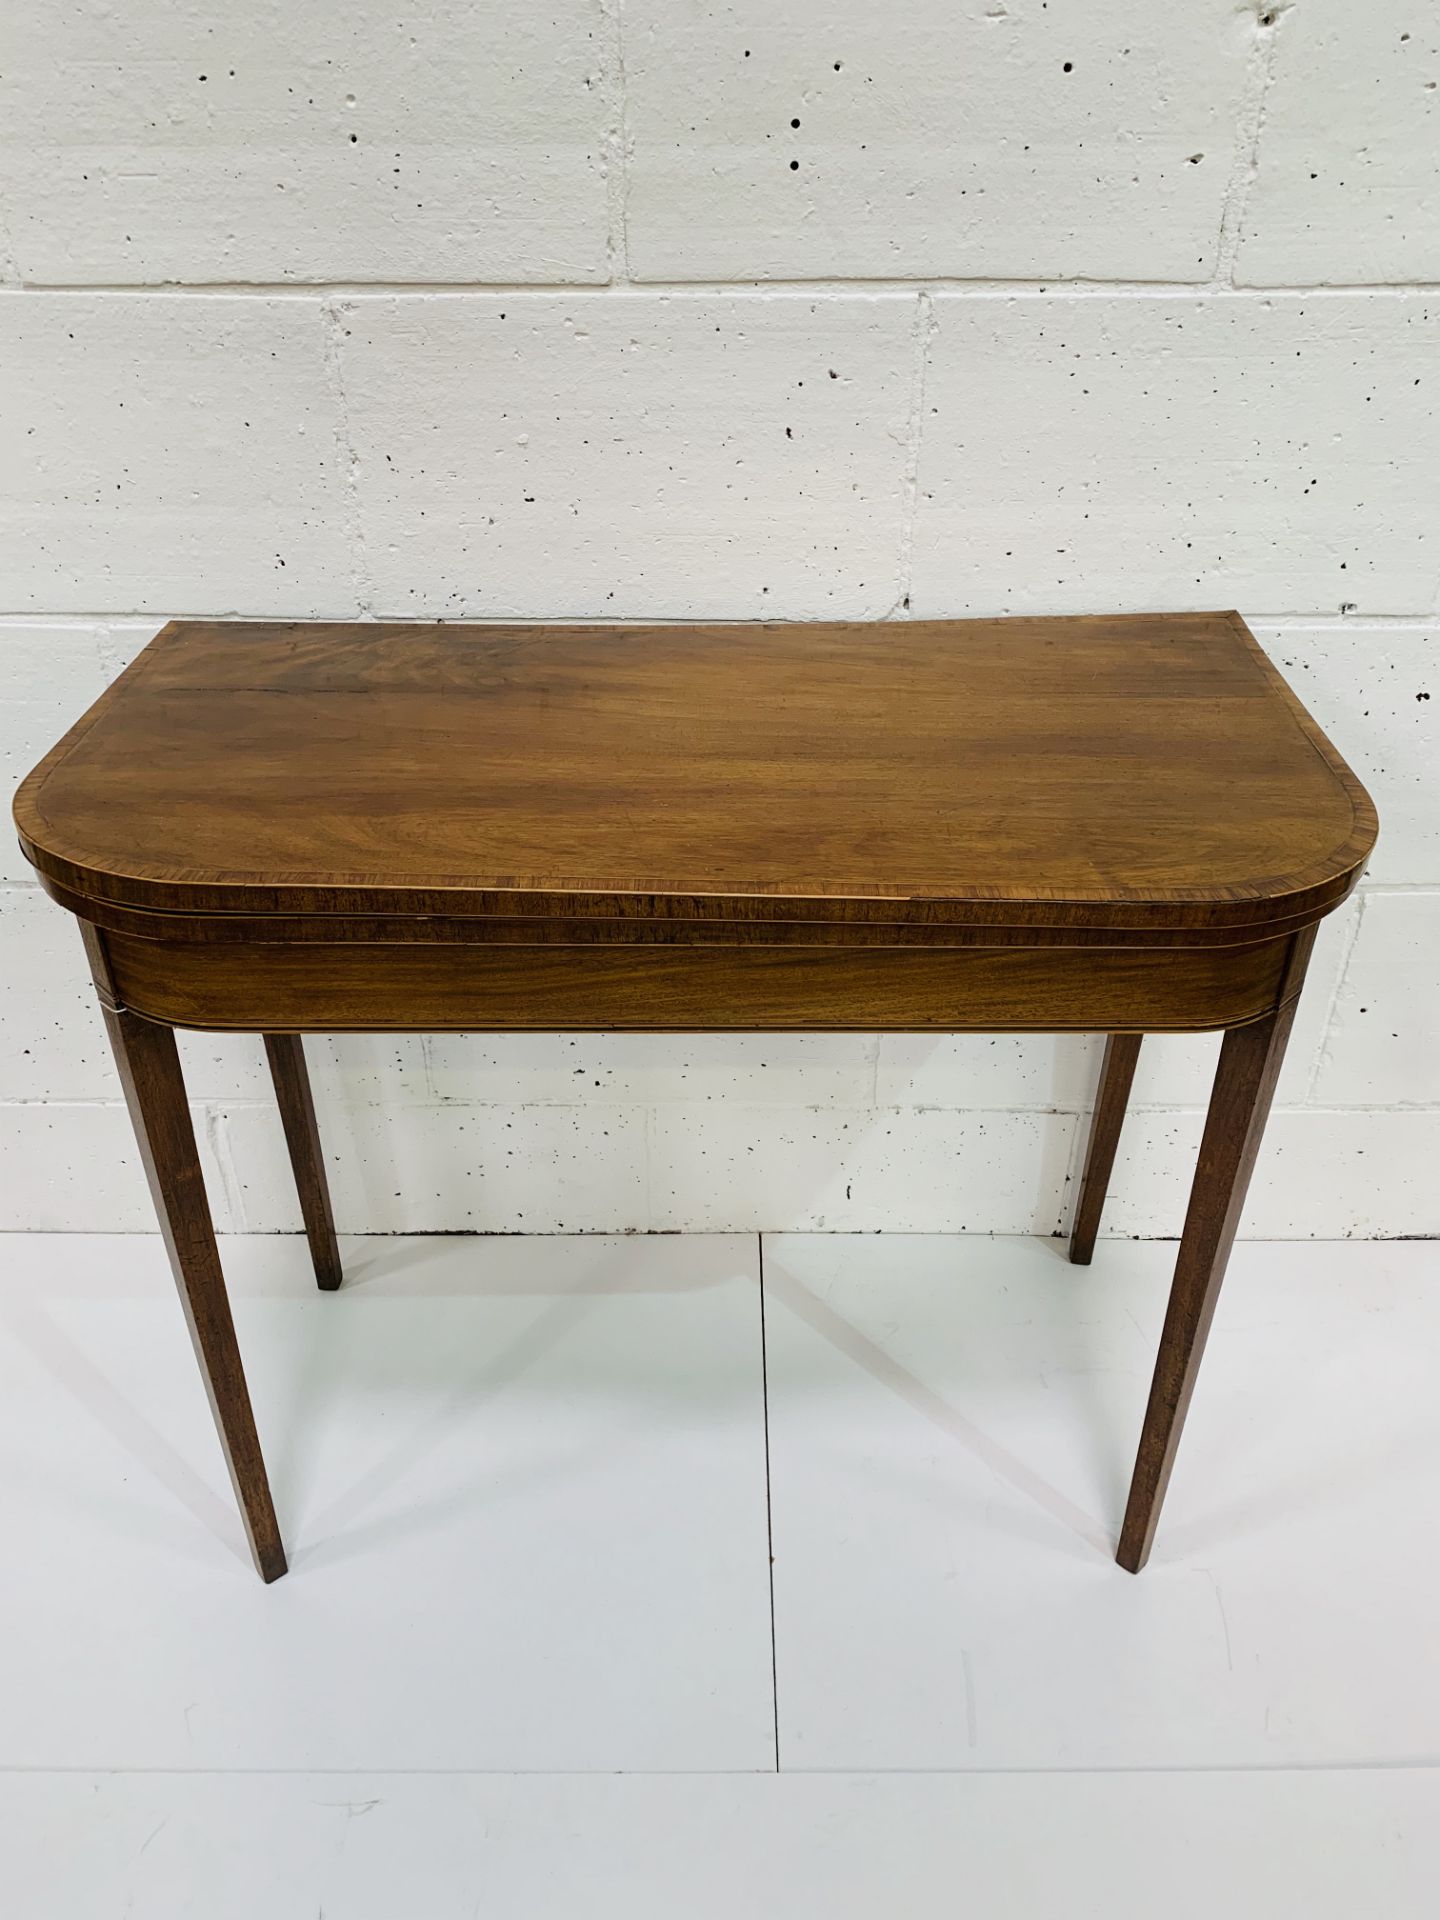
(1121, 825)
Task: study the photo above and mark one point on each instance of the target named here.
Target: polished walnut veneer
(1122, 825)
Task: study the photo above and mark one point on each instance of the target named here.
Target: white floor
(533, 1659)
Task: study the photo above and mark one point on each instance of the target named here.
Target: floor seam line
(1188, 1769)
(769, 1507)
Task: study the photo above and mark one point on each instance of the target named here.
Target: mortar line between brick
(9, 265)
(616, 147)
(890, 1110)
(434, 1098)
(217, 1139)
(111, 660)
(923, 329)
(1424, 621)
(1249, 129)
(705, 1233)
(1074, 1158)
(1342, 973)
(647, 1127)
(1342, 622)
(1048, 287)
(333, 323)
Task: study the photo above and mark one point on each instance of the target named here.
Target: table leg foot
(1250, 1060)
(1117, 1071)
(286, 1054)
(149, 1065)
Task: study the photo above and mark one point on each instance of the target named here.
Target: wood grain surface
(1143, 770)
(427, 989)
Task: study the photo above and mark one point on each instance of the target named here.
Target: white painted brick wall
(862, 141)
(170, 451)
(506, 313)
(1279, 454)
(642, 455)
(1348, 187)
(203, 142)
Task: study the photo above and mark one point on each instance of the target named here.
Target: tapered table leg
(1250, 1060)
(149, 1065)
(286, 1054)
(1117, 1071)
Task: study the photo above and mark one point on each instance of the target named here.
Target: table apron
(311, 987)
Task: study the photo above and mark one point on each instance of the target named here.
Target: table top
(1127, 771)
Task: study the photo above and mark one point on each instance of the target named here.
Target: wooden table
(1121, 825)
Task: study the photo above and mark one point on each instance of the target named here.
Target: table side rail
(312, 987)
